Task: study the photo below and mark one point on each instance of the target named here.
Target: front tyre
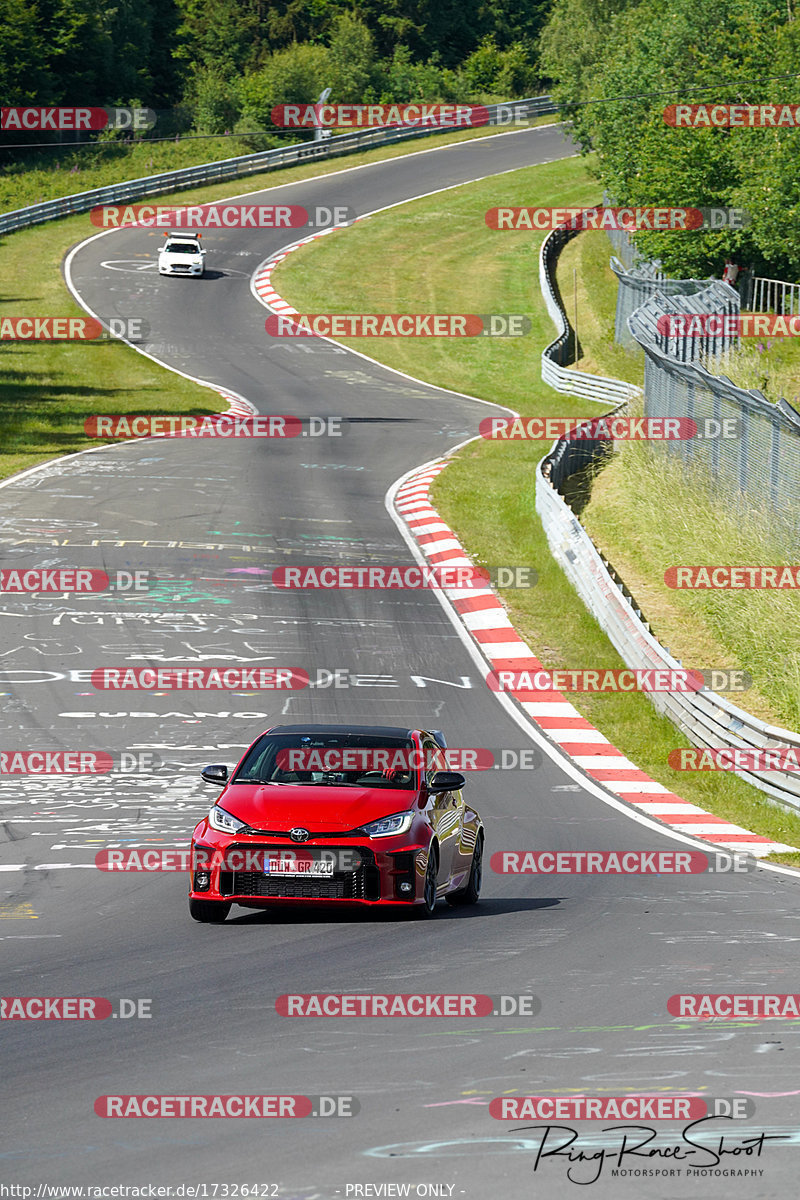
(428, 906)
(210, 912)
(470, 893)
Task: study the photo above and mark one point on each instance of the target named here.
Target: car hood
(182, 259)
(317, 809)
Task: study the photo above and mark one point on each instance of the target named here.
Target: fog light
(406, 887)
(202, 881)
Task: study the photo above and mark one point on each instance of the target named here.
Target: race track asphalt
(602, 954)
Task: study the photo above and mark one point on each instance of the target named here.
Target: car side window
(434, 759)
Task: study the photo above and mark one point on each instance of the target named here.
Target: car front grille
(360, 884)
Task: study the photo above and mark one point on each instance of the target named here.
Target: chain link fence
(761, 460)
(625, 250)
(770, 295)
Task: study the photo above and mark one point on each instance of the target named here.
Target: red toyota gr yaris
(336, 814)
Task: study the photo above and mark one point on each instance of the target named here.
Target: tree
(653, 56)
(78, 52)
(571, 49)
(219, 35)
(351, 53)
(23, 74)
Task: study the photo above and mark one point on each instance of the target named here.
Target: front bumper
(175, 269)
(363, 873)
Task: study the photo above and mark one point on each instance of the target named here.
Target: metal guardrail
(250, 164)
(711, 297)
(562, 349)
(707, 719)
(638, 283)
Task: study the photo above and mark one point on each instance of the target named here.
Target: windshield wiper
(261, 781)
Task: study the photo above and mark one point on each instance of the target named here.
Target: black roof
(380, 730)
(397, 731)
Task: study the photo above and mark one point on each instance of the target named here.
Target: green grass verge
(48, 390)
(648, 513)
(588, 289)
(65, 170)
(437, 255)
(772, 365)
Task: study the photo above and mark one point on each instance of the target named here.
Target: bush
(293, 76)
(216, 102)
(510, 73)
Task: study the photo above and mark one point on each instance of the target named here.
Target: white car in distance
(181, 254)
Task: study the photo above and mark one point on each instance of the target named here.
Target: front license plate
(299, 866)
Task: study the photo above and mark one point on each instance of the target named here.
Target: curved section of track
(211, 519)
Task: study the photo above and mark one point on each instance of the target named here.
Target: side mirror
(215, 774)
(446, 781)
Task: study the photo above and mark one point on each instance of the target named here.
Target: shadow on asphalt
(285, 915)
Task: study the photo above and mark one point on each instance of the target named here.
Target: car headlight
(386, 826)
(224, 822)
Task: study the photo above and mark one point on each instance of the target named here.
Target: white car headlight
(224, 822)
(387, 826)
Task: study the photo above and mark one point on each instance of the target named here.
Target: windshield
(183, 247)
(333, 760)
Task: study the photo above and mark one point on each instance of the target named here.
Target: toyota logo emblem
(299, 835)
